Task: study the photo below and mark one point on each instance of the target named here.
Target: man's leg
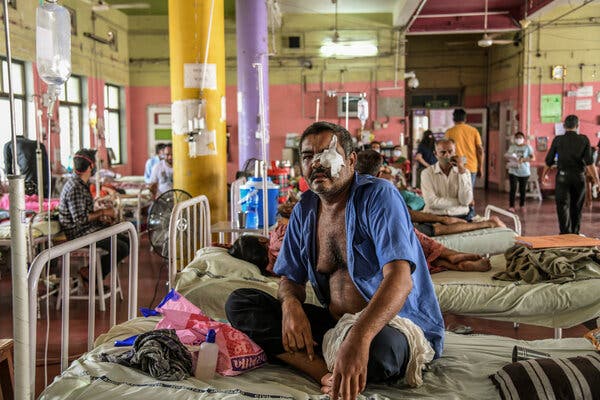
(258, 315)
(577, 200)
(122, 252)
(473, 178)
(441, 229)
(522, 190)
(388, 355)
(513, 190)
(562, 199)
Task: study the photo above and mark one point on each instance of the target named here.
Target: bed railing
(189, 231)
(64, 250)
(517, 222)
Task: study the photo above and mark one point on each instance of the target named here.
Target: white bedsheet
(461, 373)
(551, 305)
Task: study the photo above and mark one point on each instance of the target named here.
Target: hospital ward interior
(285, 199)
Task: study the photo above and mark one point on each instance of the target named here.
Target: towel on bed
(421, 351)
(557, 265)
(160, 353)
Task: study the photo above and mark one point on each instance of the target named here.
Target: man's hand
(350, 368)
(296, 331)
(480, 172)
(108, 216)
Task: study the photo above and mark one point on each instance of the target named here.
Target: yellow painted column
(204, 172)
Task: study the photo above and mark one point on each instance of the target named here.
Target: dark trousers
(522, 181)
(258, 315)
(122, 251)
(570, 195)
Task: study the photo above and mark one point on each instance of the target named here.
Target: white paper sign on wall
(192, 76)
(585, 91)
(583, 104)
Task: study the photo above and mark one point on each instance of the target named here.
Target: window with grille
(18, 86)
(113, 129)
(70, 113)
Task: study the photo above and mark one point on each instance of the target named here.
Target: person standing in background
(152, 161)
(519, 155)
(468, 144)
(574, 155)
(425, 156)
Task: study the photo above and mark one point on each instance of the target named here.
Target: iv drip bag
(53, 43)
(362, 108)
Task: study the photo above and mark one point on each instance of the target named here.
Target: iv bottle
(252, 215)
(53, 43)
(362, 108)
(207, 358)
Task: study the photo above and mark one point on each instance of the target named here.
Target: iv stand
(263, 143)
(18, 249)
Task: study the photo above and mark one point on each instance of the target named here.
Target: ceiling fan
(488, 39)
(102, 5)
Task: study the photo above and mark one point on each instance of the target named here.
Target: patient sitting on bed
(370, 162)
(77, 216)
(364, 265)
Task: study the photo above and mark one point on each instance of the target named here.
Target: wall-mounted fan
(158, 219)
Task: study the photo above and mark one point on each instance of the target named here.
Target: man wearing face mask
(574, 155)
(446, 185)
(76, 209)
(518, 156)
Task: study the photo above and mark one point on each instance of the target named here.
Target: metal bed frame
(64, 250)
(189, 231)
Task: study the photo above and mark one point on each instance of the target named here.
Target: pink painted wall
(285, 110)
(139, 98)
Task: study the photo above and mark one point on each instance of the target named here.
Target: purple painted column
(252, 47)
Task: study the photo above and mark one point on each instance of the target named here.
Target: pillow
(550, 378)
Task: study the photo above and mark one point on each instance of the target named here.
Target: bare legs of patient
(441, 229)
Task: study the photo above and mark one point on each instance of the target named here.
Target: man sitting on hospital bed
(439, 257)
(370, 162)
(363, 260)
(446, 185)
(76, 210)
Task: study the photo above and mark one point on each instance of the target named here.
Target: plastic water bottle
(53, 43)
(362, 108)
(207, 357)
(252, 215)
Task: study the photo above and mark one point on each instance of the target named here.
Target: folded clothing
(159, 353)
(557, 265)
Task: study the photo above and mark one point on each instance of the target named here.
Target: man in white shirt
(161, 178)
(446, 186)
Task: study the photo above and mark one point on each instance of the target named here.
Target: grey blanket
(557, 265)
(159, 353)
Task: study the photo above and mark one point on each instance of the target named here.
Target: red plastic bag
(237, 352)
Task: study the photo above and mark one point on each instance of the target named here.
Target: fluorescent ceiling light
(349, 49)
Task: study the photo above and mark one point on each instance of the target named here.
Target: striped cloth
(550, 378)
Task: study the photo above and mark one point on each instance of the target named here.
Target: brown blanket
(557, 265)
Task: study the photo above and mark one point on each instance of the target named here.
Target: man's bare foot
(457, 258)
(481, 265)
(327, 383)
(496, 222)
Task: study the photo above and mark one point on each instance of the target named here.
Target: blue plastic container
(272, 192)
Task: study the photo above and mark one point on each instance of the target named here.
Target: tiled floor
(539, 219)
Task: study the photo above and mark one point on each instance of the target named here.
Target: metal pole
(263, 143)
(18, 242)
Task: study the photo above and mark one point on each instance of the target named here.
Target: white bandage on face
(330, 158)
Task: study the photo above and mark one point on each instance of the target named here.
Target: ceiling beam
(465, 14)
(403, 11)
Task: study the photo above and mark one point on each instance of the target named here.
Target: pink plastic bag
(237, 352)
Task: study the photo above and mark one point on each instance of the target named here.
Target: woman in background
(425, 154)
(518, 157)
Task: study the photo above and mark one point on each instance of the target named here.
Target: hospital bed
(461, 373)
(485, 241)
